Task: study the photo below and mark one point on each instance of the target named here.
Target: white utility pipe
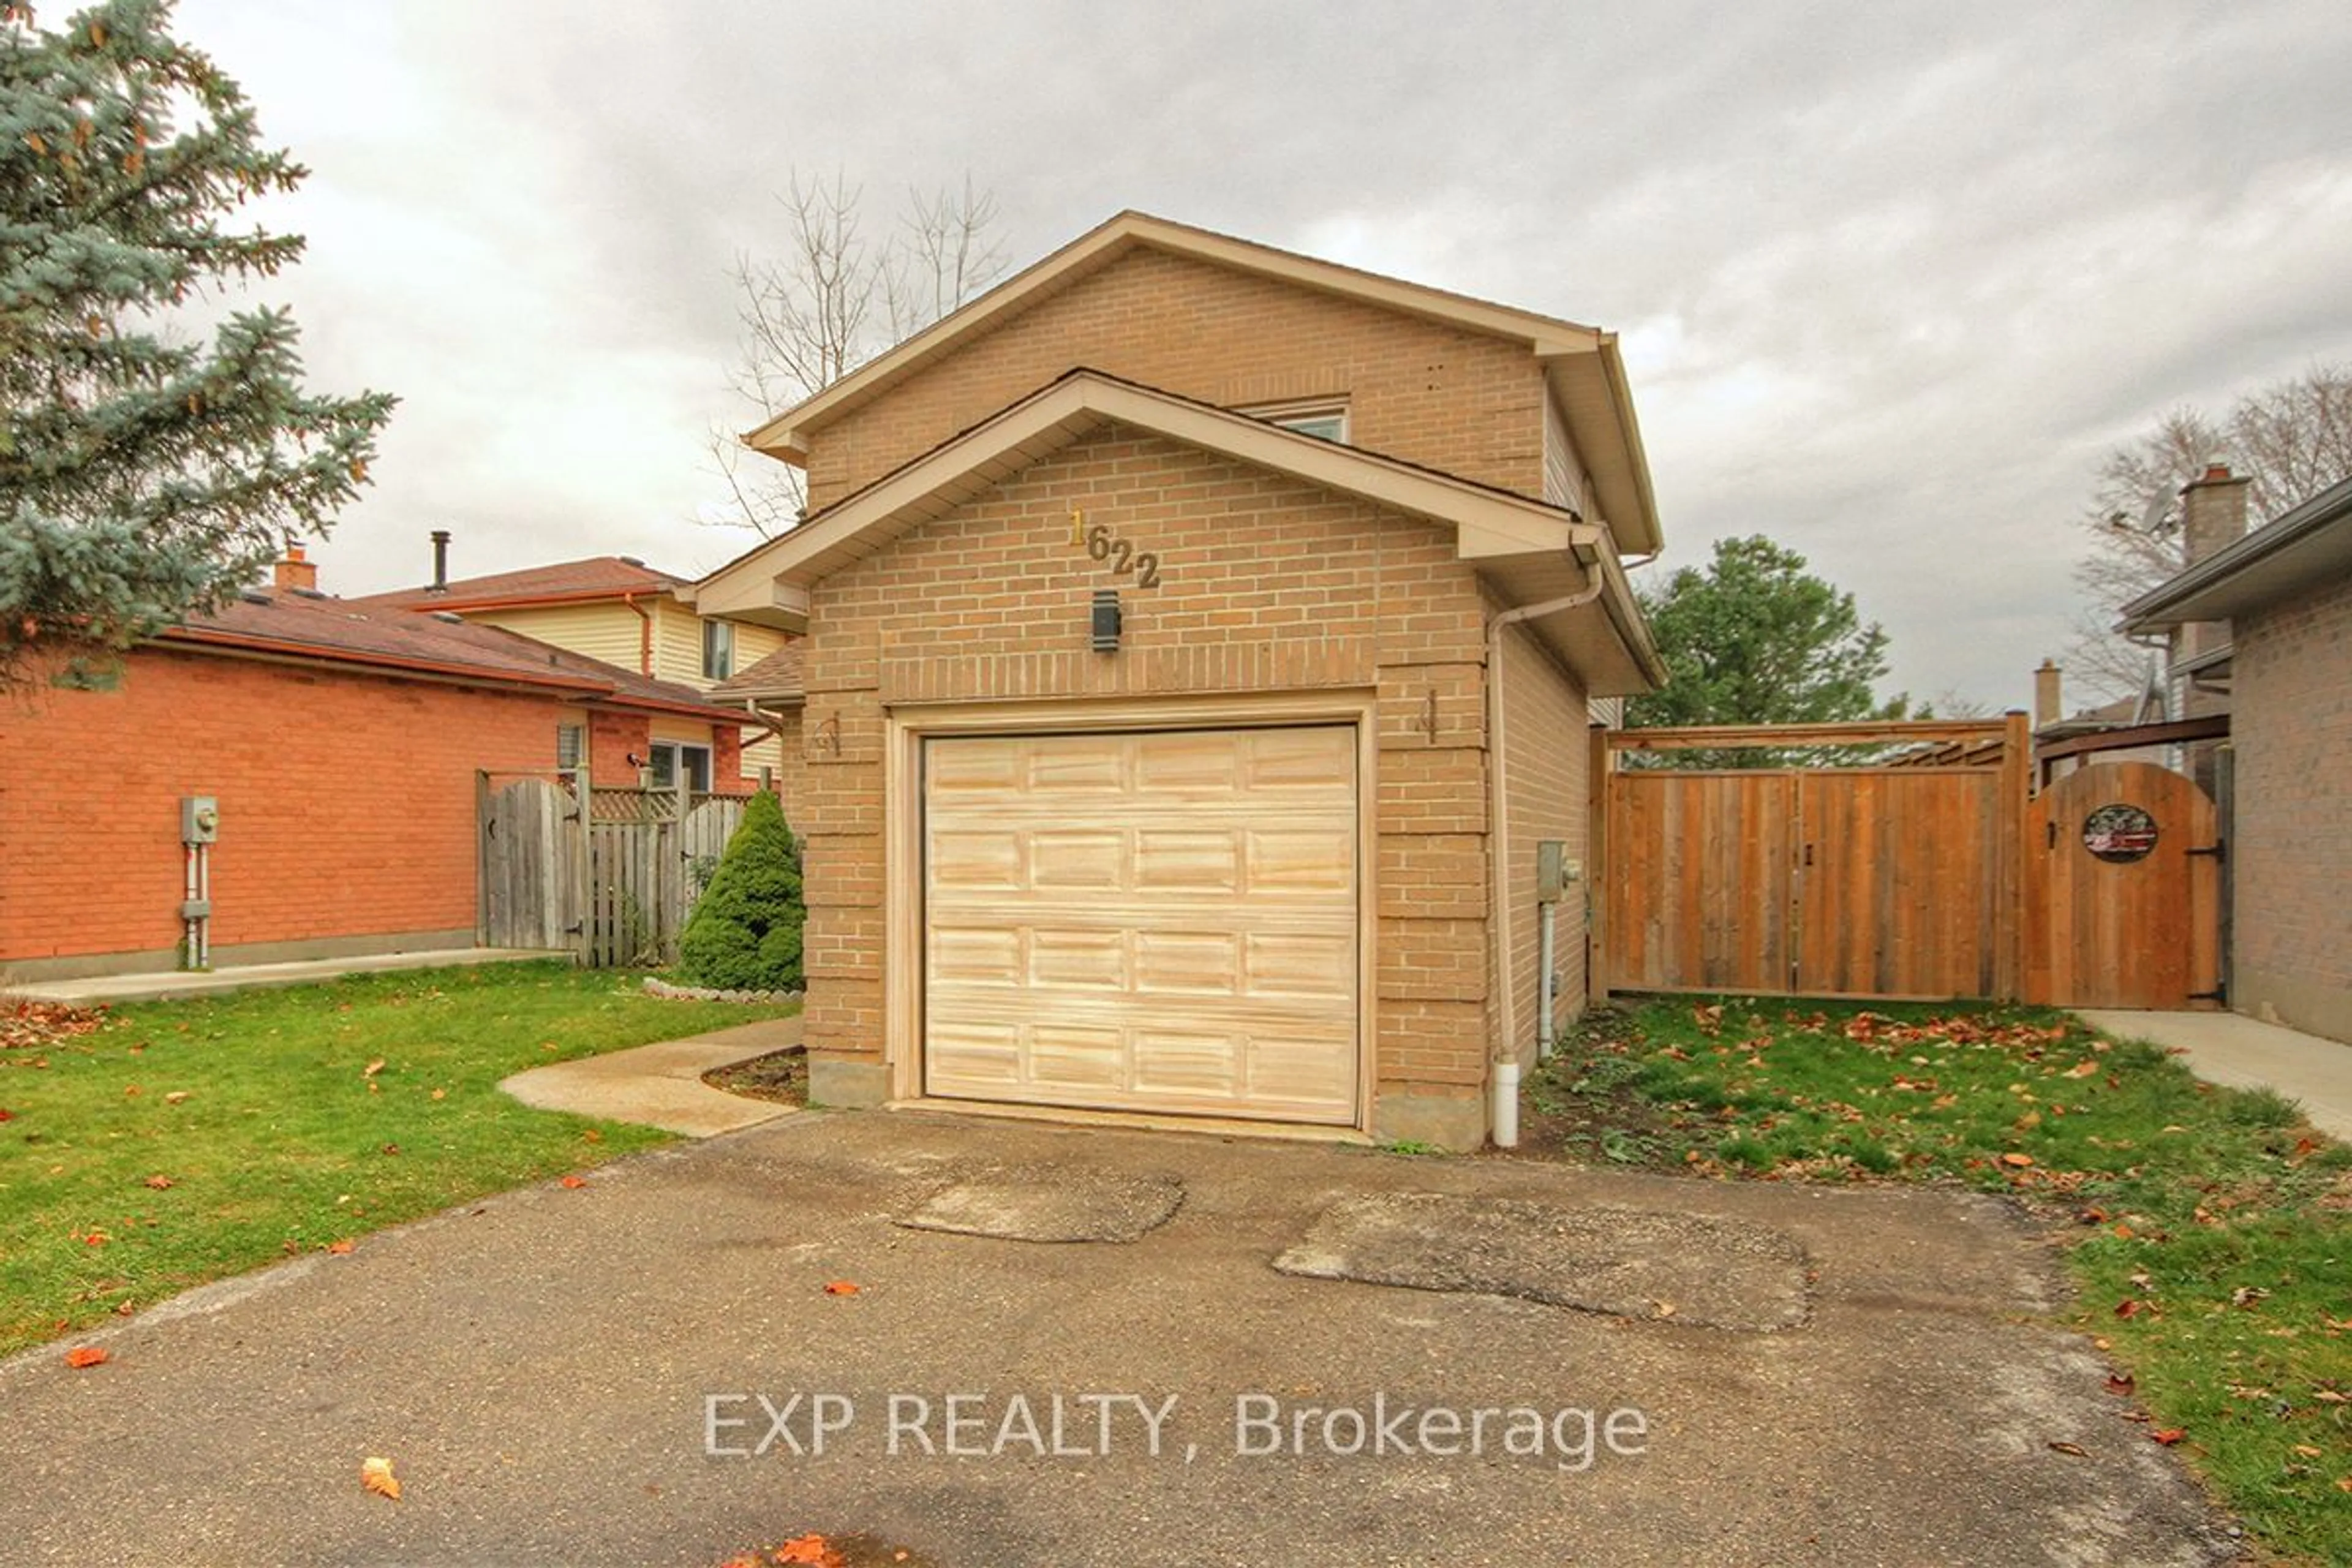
(1507, 1103)
(1543, 988)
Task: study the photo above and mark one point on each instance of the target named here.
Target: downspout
(1504, 1078)
(645, 634)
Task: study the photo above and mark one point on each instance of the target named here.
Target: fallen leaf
(2330, 1396)
(372, 1068)
(809, 1551)
(2344, 1483)
(2306, 1450)
(574, 1181)
(440, 1094)
(86, 1355)
(376, 1476)
(2075, 1449)
(2085, 1071)
(2016, 1159)
(176, 1097)
(1663, 1308)
(841, 1287)
(2127, 1307)
(2122, 1383)
(2168, 1436)
(2122, 1232)
(159, 1181)
(7, 1114)
(341, 1249)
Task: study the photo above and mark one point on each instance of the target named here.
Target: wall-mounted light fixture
(1105, 620)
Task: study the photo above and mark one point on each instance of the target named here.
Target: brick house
(342, 748)
(1199, 641)
(619, 610)
(2269, 617)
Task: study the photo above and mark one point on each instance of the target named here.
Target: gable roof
(1530, 551)
(1581, 363)
(389, 640)
(2306, 546)
(592, 577)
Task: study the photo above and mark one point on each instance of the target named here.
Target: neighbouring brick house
(2273, 618)
(342, 748)
(1200, 640)
(619, 610)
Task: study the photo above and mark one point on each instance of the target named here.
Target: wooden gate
(533, 863)
(1896, 880)
(2122, 890)
(612, 880)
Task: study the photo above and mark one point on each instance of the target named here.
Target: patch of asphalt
(1050, 1203)
(587, 1376)
(1698, 1269)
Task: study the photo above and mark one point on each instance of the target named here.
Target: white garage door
(1161, 921)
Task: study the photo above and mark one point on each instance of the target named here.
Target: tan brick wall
(1455, 400)
(1266, 584)
(2291, 727)
(1545, 767)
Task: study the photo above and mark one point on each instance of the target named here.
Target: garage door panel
(1144, 922)
(1310, 968)
(1070, 858)
(1188, 964)
(1085, 959)
(1301, 860)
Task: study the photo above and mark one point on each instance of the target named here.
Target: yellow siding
(607, 630)
(677, 644)
(1564, 483)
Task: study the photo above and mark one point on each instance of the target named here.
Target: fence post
(2015, 785)
(481, 857)
(1602, 769)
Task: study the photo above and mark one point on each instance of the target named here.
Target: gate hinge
(2219, 994)
(2219, 851)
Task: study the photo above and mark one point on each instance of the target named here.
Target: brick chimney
(2213, 512)
(295, 570)
(2213, 518)
(2047, 705)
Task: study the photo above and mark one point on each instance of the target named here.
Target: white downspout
(1505, 1076)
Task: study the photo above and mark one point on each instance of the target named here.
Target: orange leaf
(809, 1550)
(2127, 1307)
(841, 1287)
(86, 1355)
(372, 1068)
(2168, 1436)
(574, 1181)
(376, 1476)
(176, 1097)
(2016, 1159)
(2075, 1449)
(2122, 1232)
(159, 1181)
(341, 1249)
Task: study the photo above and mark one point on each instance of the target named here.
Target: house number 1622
(1101, 544)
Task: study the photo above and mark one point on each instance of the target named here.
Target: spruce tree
(148, 467)
(745, 932)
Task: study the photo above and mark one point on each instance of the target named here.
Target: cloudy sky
(1891, 277)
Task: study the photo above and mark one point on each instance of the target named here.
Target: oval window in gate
(2119, 833)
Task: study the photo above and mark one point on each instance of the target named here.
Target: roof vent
(630, 561)
(309, 593)
(452, 616)
(253, 595)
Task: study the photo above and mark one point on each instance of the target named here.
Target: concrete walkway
(168, 984)
(2245, 1053)
(661, 1085)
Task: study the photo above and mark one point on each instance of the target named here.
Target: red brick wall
(347, 802)
(1451, 399)
(2292, 728)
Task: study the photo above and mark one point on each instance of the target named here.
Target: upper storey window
(1326, 417)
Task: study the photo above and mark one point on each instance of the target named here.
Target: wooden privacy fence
(1897, 879)
(611, 877)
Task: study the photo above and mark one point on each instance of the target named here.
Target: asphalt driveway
(1669, 1371)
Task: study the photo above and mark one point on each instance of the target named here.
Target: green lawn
(2209, 1232)
(187, 1141)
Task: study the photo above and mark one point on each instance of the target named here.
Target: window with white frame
(674, 760)
(570, 747)
(718, 650)
(1325, 416)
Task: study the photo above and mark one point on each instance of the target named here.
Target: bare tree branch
(2293, 440)
(832, 303)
